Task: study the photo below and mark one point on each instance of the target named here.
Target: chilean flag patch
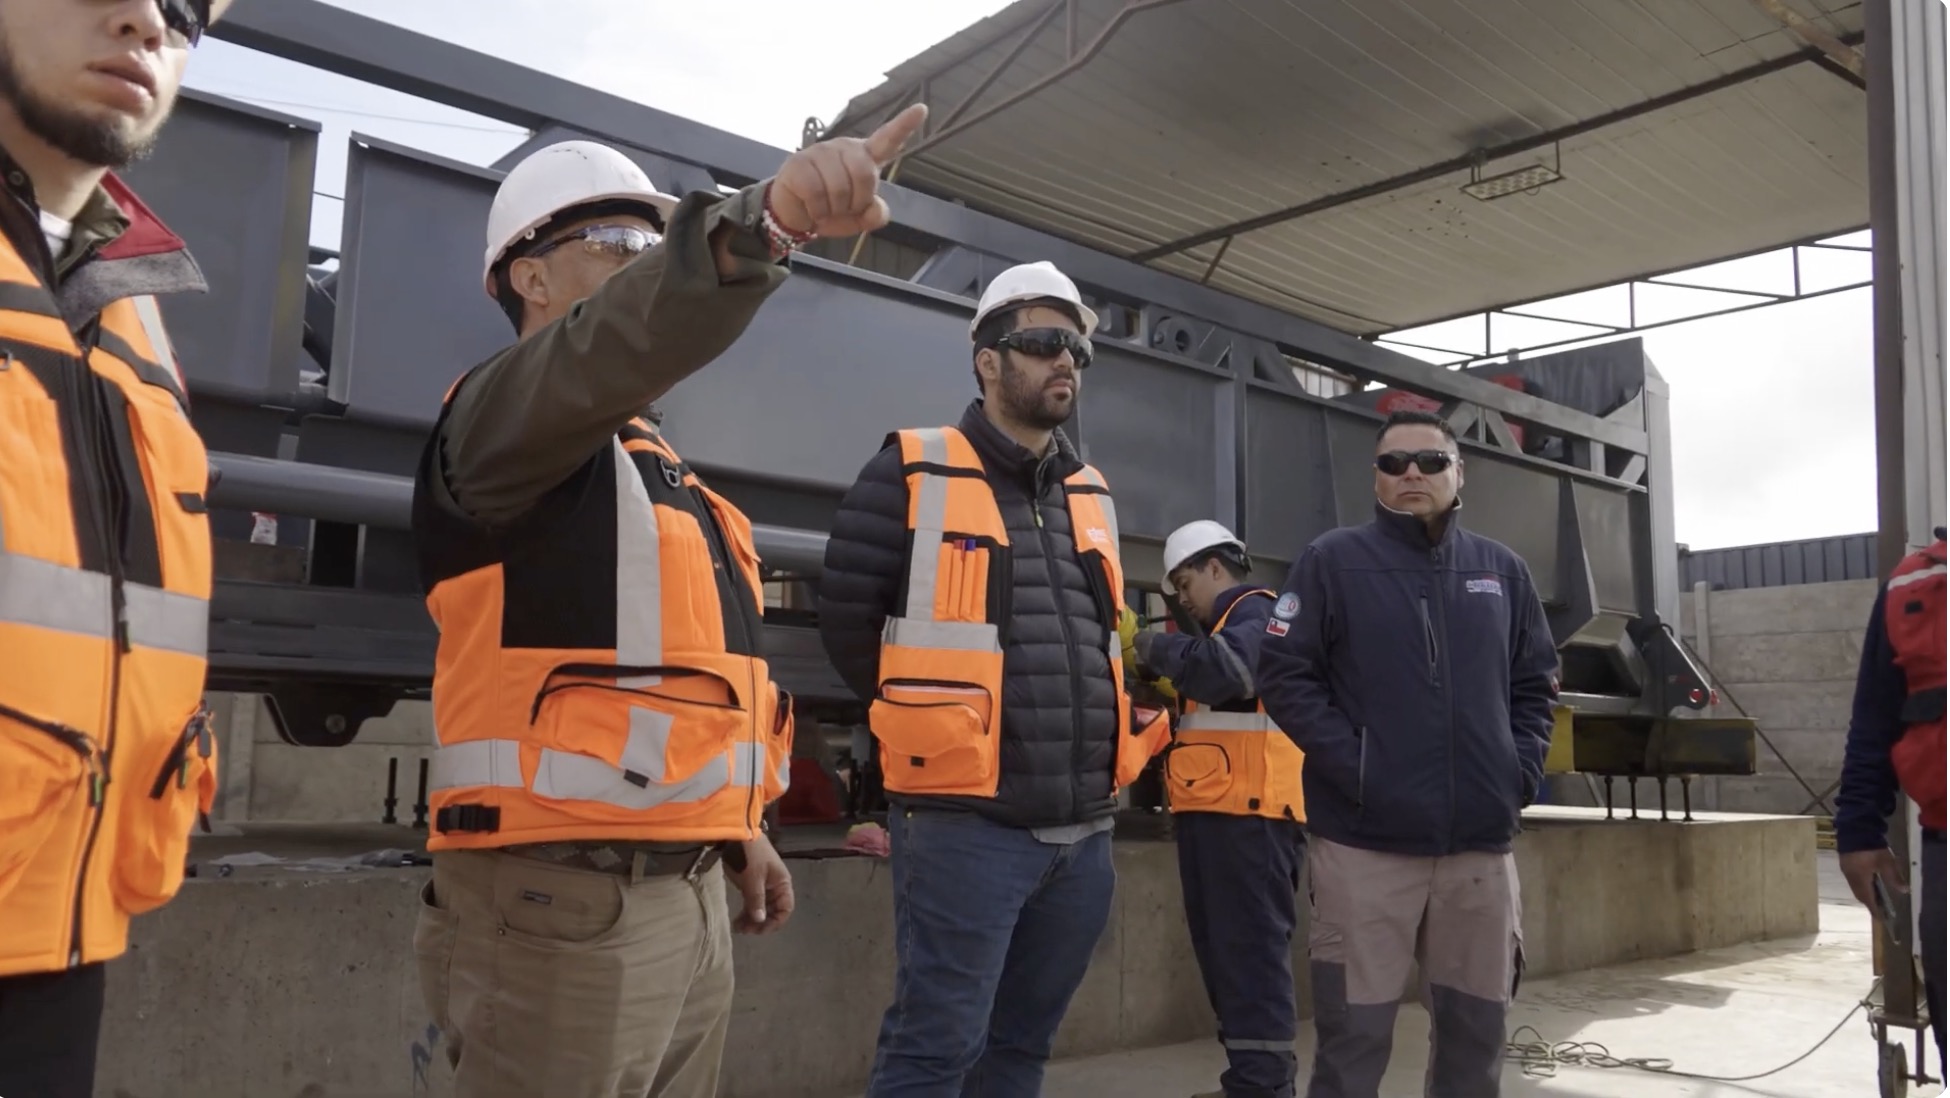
(1276, 627)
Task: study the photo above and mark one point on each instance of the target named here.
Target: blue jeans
(993, 931)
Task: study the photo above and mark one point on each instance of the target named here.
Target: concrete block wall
(1789, 656)
(269, 780)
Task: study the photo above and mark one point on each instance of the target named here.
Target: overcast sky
(1771, 409)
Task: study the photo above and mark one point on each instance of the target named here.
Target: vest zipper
(109, 505)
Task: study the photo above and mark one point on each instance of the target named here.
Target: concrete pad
(1731, 1012)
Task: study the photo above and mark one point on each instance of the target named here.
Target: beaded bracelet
(783, 241)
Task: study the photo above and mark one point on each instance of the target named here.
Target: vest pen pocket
(50, 777)
(178, 776)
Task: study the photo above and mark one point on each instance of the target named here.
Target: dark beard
(101, 144)
(1032, 407)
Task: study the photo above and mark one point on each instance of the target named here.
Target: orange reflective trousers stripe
(106, 756)
(597, 675)
(938, 712)
(1233, 763)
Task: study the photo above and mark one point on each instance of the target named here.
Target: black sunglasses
(1048, 343)
(1430, 462)
(186, 19)
(618, 241)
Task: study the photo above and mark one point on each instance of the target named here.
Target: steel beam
(1470, 159)
(318, 34)
(332, 493)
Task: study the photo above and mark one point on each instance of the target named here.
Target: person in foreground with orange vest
(609, 733)
(1233, 779)
(106, 758)
(970, 596)
(1896, 744)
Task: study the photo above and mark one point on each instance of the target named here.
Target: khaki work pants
(1377, 915)
(548, 980)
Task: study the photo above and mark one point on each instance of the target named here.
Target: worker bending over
(1233, 783)
(1896, 744)
(609, 731)
(1411, 660)
(106, 757)
(970, 596)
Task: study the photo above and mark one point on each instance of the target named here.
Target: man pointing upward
(604, 749)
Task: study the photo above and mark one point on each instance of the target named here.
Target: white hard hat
(1028, 282)
(1192, 539)
(547, 181)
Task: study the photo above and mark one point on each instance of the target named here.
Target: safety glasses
(186, 20)
(615, 241)
(1048, 343)
(1429, 462)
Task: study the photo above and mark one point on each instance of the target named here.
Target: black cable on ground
(1541, 1059)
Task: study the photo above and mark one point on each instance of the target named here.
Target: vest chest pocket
(177, 468)
(934, 738)
(34, 516)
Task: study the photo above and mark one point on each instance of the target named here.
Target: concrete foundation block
(275, 983)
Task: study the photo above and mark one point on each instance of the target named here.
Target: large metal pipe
(329, 493)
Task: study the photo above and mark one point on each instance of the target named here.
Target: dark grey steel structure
(1781, 563)
(315, 391)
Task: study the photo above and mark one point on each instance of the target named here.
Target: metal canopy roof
(1309, 154)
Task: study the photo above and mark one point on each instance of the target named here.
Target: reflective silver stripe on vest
(960, 636)
(639, 575)
(476, 763)
(1109, 506)
(52, 596)
(930, 525)
(150, 314)
(1207, 720)
(563, 775)
(1917, 576)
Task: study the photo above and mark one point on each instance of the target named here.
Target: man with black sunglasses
(105, 753)
(970, 597)
(1411, 661)
(609, 734)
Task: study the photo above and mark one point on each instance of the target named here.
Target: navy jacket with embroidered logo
(1418, 678)
(1213, 670)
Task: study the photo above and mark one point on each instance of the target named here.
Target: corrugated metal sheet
(1203, 112)
(1781, 564)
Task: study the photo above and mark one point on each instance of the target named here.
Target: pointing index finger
(885, 143)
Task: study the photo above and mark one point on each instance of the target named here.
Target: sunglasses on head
(617, 241)
(1429, 462)
(1048, 343)
(186, 20)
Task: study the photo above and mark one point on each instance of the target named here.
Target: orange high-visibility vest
(1913, 616)
(938, 715)
(106, 756)
(1235, 762)
(599, 673)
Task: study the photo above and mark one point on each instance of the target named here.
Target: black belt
(626, 859)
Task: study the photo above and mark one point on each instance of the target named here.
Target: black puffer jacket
(1059, 704)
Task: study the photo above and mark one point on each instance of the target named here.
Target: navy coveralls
(1240, 874)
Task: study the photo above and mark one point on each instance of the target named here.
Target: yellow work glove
(1165, 689)
(1127, 630)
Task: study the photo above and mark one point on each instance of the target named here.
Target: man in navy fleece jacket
(1411, 661)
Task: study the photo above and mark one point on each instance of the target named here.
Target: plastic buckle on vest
(468, 817)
